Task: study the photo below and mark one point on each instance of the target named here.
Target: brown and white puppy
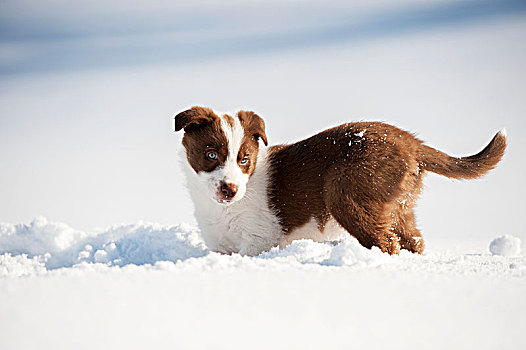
(360, 178)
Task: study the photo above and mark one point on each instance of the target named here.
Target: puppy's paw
(413, 244)
(389, 243)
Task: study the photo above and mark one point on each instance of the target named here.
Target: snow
(57, 245)
(20, 265)
(43, 246)
(361, 133)
(148, 285)
(506, 245)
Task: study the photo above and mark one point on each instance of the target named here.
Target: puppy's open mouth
(224, 201)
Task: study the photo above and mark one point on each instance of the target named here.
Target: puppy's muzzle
(227, 191)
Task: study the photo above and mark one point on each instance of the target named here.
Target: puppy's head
(222, 150)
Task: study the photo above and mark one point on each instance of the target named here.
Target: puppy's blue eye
(244, 160)
(211, 155)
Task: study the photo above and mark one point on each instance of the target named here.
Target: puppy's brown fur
(367, 176)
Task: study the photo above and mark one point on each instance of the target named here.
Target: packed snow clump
(505, 246)
(20, 265)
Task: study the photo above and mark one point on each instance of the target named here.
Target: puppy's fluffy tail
(470, 167)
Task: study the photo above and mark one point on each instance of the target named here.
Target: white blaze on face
(229, 172)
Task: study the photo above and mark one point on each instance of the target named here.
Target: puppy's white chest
(247, 226)
(244, 227)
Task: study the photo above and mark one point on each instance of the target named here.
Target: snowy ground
(87, 99)
(147, 285)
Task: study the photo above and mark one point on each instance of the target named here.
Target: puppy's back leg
(365, 222)
(402, 216)
(404, 226)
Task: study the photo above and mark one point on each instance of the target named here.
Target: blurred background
(88, 91)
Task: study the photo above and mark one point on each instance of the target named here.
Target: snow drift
(42, 246)
(54, 245)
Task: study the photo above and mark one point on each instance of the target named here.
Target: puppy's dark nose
(228, 190)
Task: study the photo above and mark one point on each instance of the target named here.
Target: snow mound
(303, 251)
(348, 252)
(505, 246)
(57, 245)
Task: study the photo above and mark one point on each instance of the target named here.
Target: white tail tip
(503, 132)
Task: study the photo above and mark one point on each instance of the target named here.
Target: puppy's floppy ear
(193, 117)
(253, 124)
